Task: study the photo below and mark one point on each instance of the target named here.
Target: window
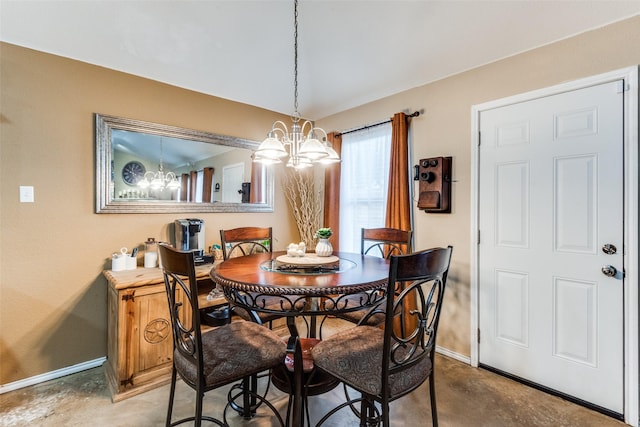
(364, 182)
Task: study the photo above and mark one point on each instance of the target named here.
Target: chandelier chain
(296, 115)
(303, 149)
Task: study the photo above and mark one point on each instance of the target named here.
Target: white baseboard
(452, 354)
(47, 376)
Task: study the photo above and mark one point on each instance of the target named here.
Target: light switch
(26, 194)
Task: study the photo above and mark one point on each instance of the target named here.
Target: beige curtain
(331, 217)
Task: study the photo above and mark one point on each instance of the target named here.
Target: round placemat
(308, 259)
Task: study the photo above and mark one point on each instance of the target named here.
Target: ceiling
(173, 152)
(350, 51)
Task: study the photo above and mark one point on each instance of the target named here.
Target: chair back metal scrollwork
(381, 242)
(385, 242)
(245, 241)
(405, 359)
(223, 355)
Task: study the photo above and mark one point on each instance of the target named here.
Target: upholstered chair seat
(233, 351)
(358, 361)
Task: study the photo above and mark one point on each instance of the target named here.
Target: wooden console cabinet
(139, 349)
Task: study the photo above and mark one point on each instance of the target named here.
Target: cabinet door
(140, 341)
(151, 343)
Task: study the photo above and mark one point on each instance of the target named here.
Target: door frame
(630, 261)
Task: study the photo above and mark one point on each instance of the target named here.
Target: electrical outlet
(26, 194)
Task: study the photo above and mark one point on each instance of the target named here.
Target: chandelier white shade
(159, 180)
(303, 149)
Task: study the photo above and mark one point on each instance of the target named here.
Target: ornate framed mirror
(144, 167)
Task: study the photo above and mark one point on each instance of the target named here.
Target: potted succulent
(323, 233)
(323, 247)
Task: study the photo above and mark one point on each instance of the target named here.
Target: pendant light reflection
(159, 180)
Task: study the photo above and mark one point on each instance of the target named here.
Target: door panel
(576, 195)
(512, 307)
(512, 205)
(232, 179)
(574, 320)
(550, 197)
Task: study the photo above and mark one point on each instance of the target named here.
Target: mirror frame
(104, 124)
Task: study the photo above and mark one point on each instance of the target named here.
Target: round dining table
(275, 274)
(302, 286)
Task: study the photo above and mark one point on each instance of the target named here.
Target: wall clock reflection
(133, 172)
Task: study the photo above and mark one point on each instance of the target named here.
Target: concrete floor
(466, 396)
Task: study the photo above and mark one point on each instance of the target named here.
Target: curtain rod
(414, 114)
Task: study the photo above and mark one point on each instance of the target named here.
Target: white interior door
(232, 179)
(550, 199)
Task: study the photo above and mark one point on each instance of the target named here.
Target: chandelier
(159, 180)
(303, 149)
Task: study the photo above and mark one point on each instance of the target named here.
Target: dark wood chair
(381, 242)
(383, 364)
(245, 241)
(385, 242)
(207, 360)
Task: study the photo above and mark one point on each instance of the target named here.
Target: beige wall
(445, 130)
(52, 252)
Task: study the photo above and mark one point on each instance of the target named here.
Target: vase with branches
(304, 201)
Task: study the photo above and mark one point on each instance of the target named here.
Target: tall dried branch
(305, 203)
